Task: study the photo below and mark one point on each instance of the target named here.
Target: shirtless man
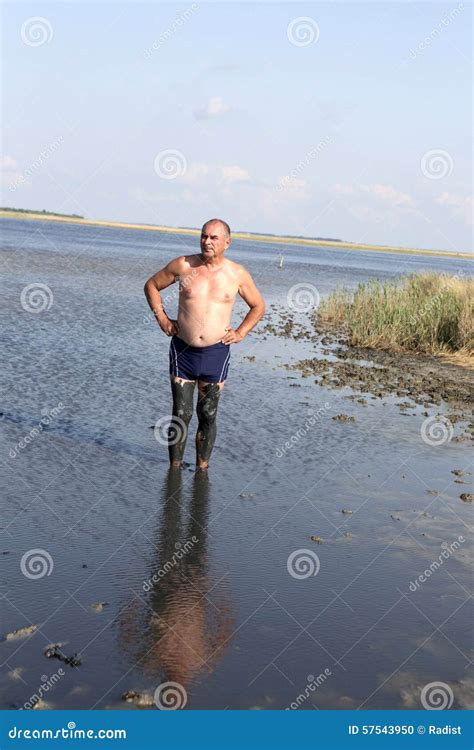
(201, 336)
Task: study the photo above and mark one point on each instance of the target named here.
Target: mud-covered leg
(183, 392)
(208, 401)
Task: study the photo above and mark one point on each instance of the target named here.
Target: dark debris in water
(54, 651)
(138, 699)
(20, 633)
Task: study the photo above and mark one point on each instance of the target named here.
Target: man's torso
(206, 299)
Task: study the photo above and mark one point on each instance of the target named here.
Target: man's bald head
(222, 223)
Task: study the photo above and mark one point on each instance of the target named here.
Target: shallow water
(224, 618)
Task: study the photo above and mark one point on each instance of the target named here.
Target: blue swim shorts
(208, 363)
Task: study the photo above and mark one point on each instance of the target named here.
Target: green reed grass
(429, 312)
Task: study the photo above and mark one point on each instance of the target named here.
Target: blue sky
(344, 120)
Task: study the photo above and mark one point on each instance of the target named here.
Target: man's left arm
(251, 295)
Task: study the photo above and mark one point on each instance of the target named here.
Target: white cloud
(234, 173)
(215, 107)
(376, 203)
(8, 163)
(195, 171)
(11, 174)
(460, 205)
(343, 189)
(292, 187)
(389, 195)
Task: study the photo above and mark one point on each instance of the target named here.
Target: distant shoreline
(237, 235)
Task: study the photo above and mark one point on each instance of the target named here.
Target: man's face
(214, 241)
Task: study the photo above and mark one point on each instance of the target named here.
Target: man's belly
(203, 330)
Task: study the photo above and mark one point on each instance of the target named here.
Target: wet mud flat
(412, 380)
(387, 613)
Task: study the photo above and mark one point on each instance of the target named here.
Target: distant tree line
(46, 213)
(284, 236)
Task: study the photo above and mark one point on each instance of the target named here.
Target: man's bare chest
(203, 285)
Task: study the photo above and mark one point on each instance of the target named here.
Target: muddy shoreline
(416, 380)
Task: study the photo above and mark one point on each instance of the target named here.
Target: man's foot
(202, 467)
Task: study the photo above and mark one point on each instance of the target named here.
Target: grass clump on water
(429, 312)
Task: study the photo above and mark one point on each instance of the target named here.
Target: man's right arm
(161, 280)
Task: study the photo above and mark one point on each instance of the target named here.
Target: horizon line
(30, 214)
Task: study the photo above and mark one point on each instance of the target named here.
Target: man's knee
(208, 402)
(183, 392)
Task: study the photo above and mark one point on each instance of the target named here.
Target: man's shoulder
(237, 268)
(183, 262)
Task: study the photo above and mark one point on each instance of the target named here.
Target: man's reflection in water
(187, 630)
